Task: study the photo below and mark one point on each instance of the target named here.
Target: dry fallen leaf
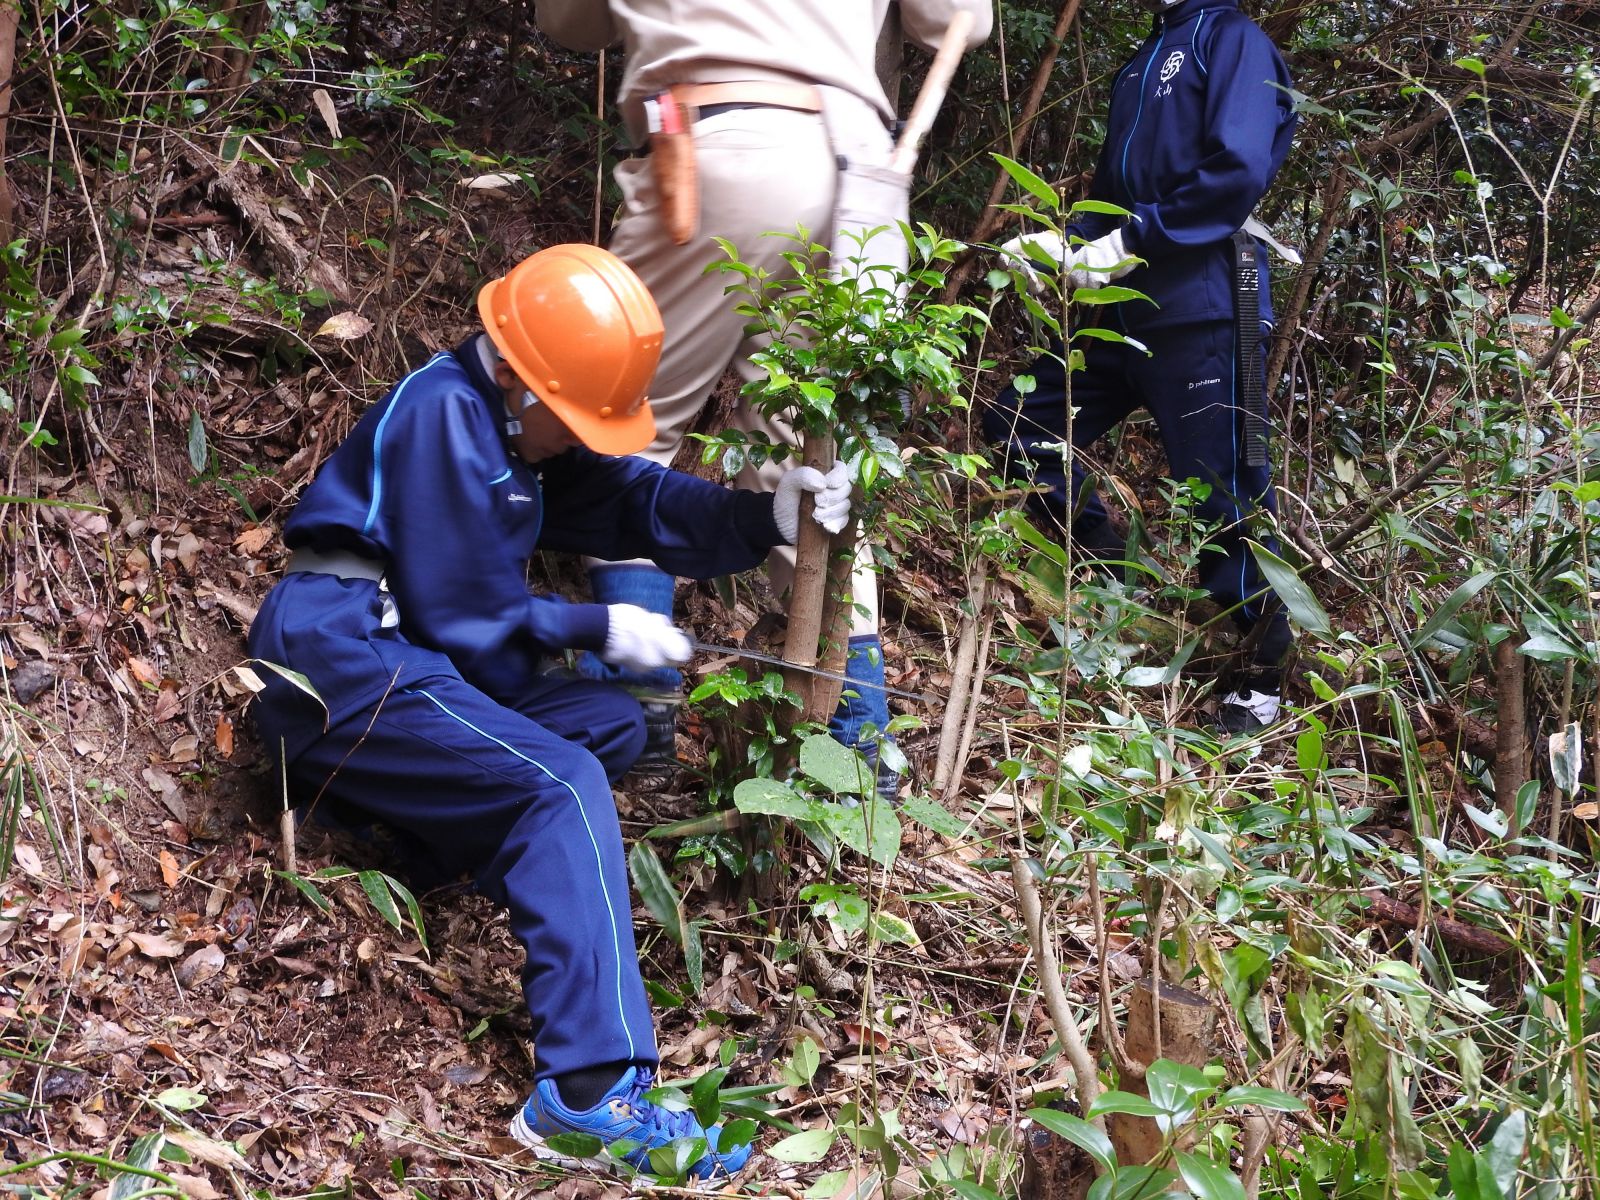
(492, 181)
(169, 868)
(324, 103)
(1587, 811)
(156, 946)
(200, 966)
(345, 326)
(224, 735)
(253, 540)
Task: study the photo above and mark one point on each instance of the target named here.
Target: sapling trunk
(10, 15)
(955, 709)
(837, 603)
(808, 592)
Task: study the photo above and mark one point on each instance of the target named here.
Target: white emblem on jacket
(1172, 66)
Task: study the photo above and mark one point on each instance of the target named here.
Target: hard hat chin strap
(514, 425)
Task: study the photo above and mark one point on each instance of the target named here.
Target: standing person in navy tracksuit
(1201, 120)
(405, 603)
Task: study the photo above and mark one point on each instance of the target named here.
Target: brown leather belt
(757, 93)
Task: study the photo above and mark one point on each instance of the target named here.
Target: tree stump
(1187, 1035)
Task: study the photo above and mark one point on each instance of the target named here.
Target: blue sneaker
(623, 1115)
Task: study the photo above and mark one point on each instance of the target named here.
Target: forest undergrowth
(1094, 950)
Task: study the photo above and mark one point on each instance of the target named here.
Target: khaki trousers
(762, 170)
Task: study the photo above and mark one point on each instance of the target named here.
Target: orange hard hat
(582, 331)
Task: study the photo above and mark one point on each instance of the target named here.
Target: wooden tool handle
(929, 99)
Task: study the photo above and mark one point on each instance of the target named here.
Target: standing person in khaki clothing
(777, 95)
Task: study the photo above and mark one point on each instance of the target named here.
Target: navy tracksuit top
(1200, 121)
(427, 485)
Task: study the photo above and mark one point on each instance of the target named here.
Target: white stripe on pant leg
(616, 937)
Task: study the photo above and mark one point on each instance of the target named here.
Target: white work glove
(830, 509)
(1089, 265)
(640, 640)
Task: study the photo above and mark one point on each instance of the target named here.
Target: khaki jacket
(827, 42)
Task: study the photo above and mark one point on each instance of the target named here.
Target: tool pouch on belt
(672, 162)
(871, 199)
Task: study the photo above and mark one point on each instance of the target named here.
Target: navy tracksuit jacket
(1200, 122)
(438, 721)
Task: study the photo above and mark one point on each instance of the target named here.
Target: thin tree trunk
(1511, 736)
(961, 676)
(808, 592)
(10, 16)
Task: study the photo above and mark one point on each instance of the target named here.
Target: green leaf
(871, 829)
(1542, 647)
(413, 909)
(198, 450)
(928, 812)
(1470, 63)
(575, 1145)
(1104, 207)
(835, 766)
(1110, 293)
(181, 1099)
(802, 1066)
(769, 797)
(1566, 758)
(1503, 1155)
(1030, 183)
(703, 1097)
(306, 888)
(1453, 604)
(1079, 1132)
(1296, 596)
(1125, 1102)
(659, 896)
(376, 886)
(808, 1147)
(1207, 1180)
(1261, 1097)
(968, 1190)
(694, 957)
(294, 677)
(886, 927)
(143, 1154)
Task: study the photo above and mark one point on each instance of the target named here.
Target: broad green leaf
(886, 927)
(181, 1099)
(926, 811)
(376, 886)
(413, 909)
(1542, 647)
(1453, 604)
(1079, 1132)
(870, 829)
(808, 1147)
(142, 1155)
(803, 1064)
(1030, 183)
(834, 765)
(1125, 1102)
(1133, 1183)
(1207, 1180)
(769, 797)
(694, 957)
(199, 452)
(1307, 612)
(968, 1190)
(1261, 1097)
(1104, 207)
(659, 896)
(575, 1145)
(703, 1097)
(1109, 293)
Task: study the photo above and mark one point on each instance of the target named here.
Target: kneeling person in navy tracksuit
(1200, 121)
(405, 604)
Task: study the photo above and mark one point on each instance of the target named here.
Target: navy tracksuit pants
(1188, 383)
(520, 799)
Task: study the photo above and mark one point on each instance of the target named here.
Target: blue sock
(651, 589)
(865, 702)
